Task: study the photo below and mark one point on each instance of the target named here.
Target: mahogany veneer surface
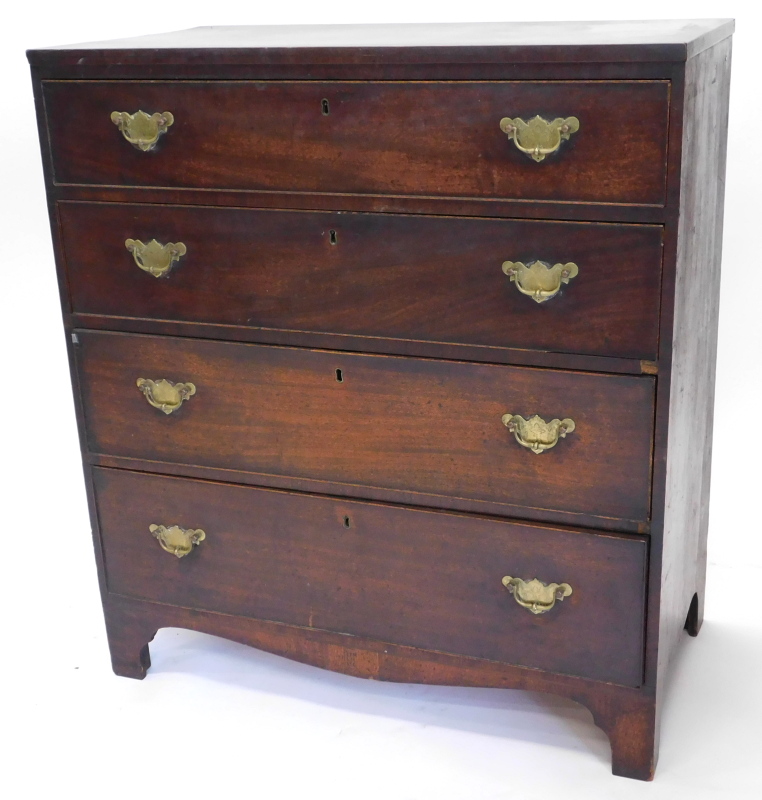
(379, 276)
(417, 425)
(398, 138)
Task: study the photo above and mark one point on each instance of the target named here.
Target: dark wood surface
(377, 494)
(502, 207)
(625, 714)
(691, 215)
(360, 343)
(411, 425)
(399, 138)
(412, 577)
(642, 40)
(694, 348)
(380, 276)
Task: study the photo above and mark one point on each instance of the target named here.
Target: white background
(215, 719)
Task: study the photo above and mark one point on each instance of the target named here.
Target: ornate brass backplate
(534, 595)
(177, 540)
(538, 137)
(142, 130)
(154, 258)
(539, 280)
(165, 395)
(536, 434)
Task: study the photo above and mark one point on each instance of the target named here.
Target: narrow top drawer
(438, 139)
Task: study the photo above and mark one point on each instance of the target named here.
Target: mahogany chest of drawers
(393, 347)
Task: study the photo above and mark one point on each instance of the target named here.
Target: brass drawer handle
(534, 595)
(538, 137)
(154, 258)
(539, 280)
(536, 434)
(142, 130)
(165, 395)
(177, 540)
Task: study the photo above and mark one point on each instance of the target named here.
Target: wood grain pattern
(501, 207)
(361, 492)
(418, 578)
(624, 713)
(360, 343)
(400, 138)
(432, 427)
(382, 276)
(694, 348)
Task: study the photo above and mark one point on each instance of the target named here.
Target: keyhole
(339, 376)
(332, 237)
(324, 106)
(347, 522)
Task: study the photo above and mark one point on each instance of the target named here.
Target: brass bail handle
(539, 280)
(142, 130)
(539, 137)
(536, 596)
(154, 258)
(535, 434)
(165, 395)
(176, 540)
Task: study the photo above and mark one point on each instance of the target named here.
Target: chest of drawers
(393, 347)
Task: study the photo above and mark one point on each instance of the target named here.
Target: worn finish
(399, 138)
(385, 204)
(380, 276)
(419, 205)
(359, 343)
(694, 347)
(424, 426)
(410, 44)
(418, 578)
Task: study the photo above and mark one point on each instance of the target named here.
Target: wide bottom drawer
(427, 579)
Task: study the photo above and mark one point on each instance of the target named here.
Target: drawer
(422, 426)
(389, 138)
(413, 278)
(412, 577)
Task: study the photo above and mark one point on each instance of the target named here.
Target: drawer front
(400, 138)
(411, 577)
(432, 279)
(410, 425)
